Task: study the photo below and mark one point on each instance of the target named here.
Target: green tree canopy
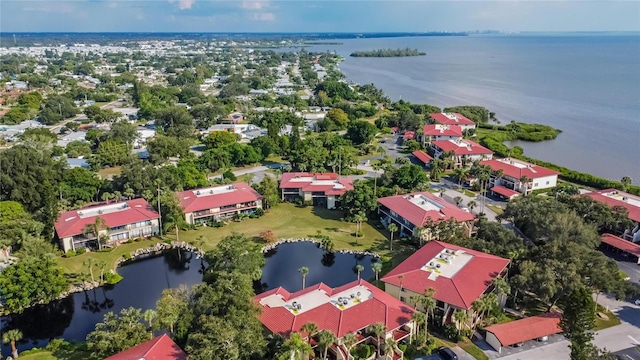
(117, 333)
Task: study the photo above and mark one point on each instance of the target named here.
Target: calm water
(334, 270)
(75, 316)
(588, 86)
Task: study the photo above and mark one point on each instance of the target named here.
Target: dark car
(447, 354)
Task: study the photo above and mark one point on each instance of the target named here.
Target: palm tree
(626, 181)
(484, 304)
(102, 265)
(442, 190)
(377, 268)
(359, 269)
(106, 196)
(304, 271)
(389, 347)
(11, 337)
(428, 305)
(471, 204)
(325, 340)
(461, 173)
(173, 221)
(117, 196)
(436, 165)
(327, 244)
(348, 340)
(524, 180)
(297, 347)
(392, 229)
(461, 317)
(90, 262)
(419, 319)
(98, 225)
(149, 316)
(378, 330)
(129, 193)
(359, 218)
(310, 328)
(457, 200)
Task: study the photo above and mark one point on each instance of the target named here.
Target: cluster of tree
(388, 53)
(97, 114)
(521, 131)
(26, 108)
(477, 114)
(56, 109)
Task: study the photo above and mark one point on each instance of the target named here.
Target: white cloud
(183, 4)
(113, 5)
(264, 16)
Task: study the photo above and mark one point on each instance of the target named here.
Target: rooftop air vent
(198, 192)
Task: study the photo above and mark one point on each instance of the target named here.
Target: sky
(315, 16)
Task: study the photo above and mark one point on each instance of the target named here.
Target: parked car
(447, 354)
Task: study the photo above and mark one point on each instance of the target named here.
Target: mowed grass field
(285, 220)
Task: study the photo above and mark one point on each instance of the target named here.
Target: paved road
(58, 127)
(629, 354)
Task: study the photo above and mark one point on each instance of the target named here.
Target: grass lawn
(473, 350)
(469, 193)
(602, 323)
(286, 221)
(496, 209)
(109, 172)
(72, 352)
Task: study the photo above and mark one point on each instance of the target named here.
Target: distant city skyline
(315, 16)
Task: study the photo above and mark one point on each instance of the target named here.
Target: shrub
(112, 278)
(55, 345)
(259, 212)
(81, 251)
(268, 236)
(127, 256)
(450, 332)
(229, 175)
(70, 253)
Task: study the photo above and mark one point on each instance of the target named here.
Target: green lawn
(286, 221)
(496, 209)
(473, 350)
(110, 172)
(605, 323)
(469, 193)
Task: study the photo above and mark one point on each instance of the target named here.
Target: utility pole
(159, 212)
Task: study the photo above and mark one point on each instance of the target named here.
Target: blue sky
(316, 16)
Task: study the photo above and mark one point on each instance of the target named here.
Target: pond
(143, 281)
(73, 317)
(333, 269)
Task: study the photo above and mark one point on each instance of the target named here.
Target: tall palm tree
(359, 269)
(310, 328)
(419, 319)
(117, 196)
(95, 228)
(461, 174)
(304, 271)
(296, 347)
(392, 229)
(484, 304)
(102, 265)
(11, 337)
(389, 347)
(428, 303)
(378, 330)
(149, 316)
(325, 340)
(173, 221)
(471, 204)
(348, 340)
(377, 268)
(129, 193)
(106, 196)
(461, 317)
(524, 180)
(458, 200)
(90, 262)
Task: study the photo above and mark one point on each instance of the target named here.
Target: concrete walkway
(462, 355)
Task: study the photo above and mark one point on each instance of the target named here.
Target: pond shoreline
(273, 245)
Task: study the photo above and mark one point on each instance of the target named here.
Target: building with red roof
(613, 197)
(422, 156)
(408, 135)
(453, 119)
(519, 331)
(350, 308)
(322, 189)
(434, 132)
(124, 220)
(464, 151)
(629, 248)
(520, 176)
(159, 348)
(412, 211)
(219, 202)
(458, 275)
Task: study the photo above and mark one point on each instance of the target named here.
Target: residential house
(464, 151)
(123, 221)
(350, 308)
(128, 113)
(435, 132)
(613, 197)
(520, 176)
(453, 119)
(159, 348)
(459, 276)
(233, 118)
(321, 189)
(413, 211)
(219, 202)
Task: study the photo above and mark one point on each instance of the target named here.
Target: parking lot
(512, 350)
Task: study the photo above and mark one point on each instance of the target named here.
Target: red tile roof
(71, 223)
(462, 289)
(158, 348)
(461, 147)
(439, 130)
(605, 196)
(622, 244)
(401, 205)
(328, 183)
(509, 168)
(382, 307)
(422, 156)
(526, 329)
(458, 119)
(409, 135)
(240, 193)
(506, 192)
